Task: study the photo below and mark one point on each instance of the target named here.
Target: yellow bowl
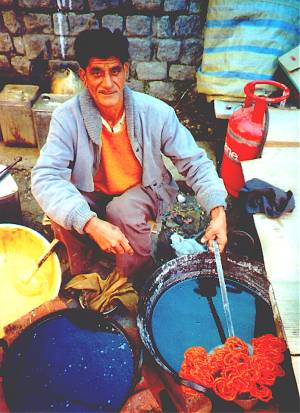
(20, 248)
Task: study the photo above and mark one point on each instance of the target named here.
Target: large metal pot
(69, 361)
(20, 248)
(181, 306)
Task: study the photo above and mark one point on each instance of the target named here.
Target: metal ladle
(23, 283)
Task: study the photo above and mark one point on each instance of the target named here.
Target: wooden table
(279, 237)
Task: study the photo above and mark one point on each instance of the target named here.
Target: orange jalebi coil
(233, 358)
(250, 375)
(231, 371)
(268, 340)
(225, 389)
(236, 344)
(241, 384)
(261, 392)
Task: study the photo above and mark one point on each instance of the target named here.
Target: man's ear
(82, 75)
(126, 70)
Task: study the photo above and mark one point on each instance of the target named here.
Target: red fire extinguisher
(246, 133)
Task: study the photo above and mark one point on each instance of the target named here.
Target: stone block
(161, 27)
(72, 5)
(77, 5)
(4, 62)
(182, 72)
(136, 85)
(60, 24)
(5, 43)
(63, 47)
(99, 5)
(19, 45)
(38, 23)
(6, 3)
(147, 5)
(35, 44)
(140, 49)
(80, 22)
(55, 65)
(138, 26)
(195, 7)
(191, 51)
(175, 5)
(10, 21)
(21, 64)
(132, 69)
(188, 26)
(162, 90)
(112, 22)
(168, 50)
(38, 4)
(152, 70)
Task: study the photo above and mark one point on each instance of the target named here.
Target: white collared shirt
(117, 127)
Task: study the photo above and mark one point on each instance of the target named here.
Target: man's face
(105, 80)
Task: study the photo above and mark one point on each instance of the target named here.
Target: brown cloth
(102, 295)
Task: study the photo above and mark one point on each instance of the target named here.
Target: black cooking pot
(181, 306)
(71, 360)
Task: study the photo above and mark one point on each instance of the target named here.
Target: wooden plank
(290, 63)
(287, 300)
(283, 128)
(283, 145)
(296, 367)
(280, 237)
(291, 59)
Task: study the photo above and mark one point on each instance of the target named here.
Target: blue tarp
(242, 42)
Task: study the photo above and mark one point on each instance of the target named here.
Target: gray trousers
(131, 212)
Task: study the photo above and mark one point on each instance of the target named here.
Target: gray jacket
(71, 156)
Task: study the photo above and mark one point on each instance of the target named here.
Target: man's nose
(107, 80)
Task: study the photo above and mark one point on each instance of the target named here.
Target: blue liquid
(182, 318)
(65, 367)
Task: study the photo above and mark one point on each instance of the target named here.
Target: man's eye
(97, 73)
(115, 70)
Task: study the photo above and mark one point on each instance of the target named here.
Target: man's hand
(216, 229)
(109, 237)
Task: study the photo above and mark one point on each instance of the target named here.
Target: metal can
(15, 115)
(42, 112)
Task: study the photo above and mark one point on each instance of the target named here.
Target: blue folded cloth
(260, 196)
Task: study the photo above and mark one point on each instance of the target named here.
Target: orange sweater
(119, 168)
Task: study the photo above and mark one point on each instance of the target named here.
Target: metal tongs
(224, 295)
(226, 308)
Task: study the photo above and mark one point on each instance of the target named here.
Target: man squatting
(100, 176)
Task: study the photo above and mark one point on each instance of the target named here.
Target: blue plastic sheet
(243, 41)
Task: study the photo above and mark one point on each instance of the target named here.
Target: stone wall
(165, 37)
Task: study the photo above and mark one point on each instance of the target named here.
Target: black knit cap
(100, 43)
